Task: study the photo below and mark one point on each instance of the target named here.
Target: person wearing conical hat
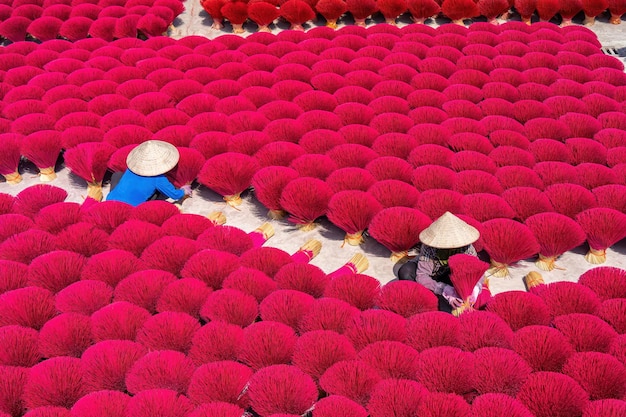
(145, 177)
(446, 236)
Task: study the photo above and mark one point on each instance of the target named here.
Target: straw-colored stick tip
(47, 174)
(13, 178)
(358, 263)
(354, 239)
(498, 270)
(595, 256)
(276, 214)
(546, 263)
(533, 279)
(233, 200)
(266, 229)
(313, 247)
(217, 218)
(397, 256)
(94, 190)
(306, 227)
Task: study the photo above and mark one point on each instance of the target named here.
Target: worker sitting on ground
(145, 177)
(446, 236)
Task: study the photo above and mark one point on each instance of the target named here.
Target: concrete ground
(334, 253)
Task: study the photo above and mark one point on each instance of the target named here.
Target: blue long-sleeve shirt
(135, 189)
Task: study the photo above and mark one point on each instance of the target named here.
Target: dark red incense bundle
(228, 174)
(263, 13)
(361, 10)
(296, 12)
(465, 272)
(507, 241)
(458, 10)
(604, 227)
(42, 149)
(556, 234)
(423, 9)
(10, 159)
(391, 9)
(608, 407)
(568, 10)
(547, 9)
(491, 9)
(397, 229)
(617, 8)
(331, 10)
(89, 161)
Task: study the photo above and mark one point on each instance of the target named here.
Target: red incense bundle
(263, 13)
(331, 10)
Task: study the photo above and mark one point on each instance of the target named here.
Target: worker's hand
(451, 296)
(186, 189)
(477, 289)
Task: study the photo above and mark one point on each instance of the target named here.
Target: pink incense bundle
(160, 369)
(159, 401)
(10, 159)
(556, 234)
(604, 227)
(42, 148)
(606, 281)
(338, 406)
(220, 381)
(527, 201)
(296, 12)
(89, 161)
(394, 193)
(12, 224)
(434, 203)
(331, 10)
(118, 321)
(352, 379)
(484, 329)
(318, 350)
(520, 309)
(400, 397)
(494, 405)
(13, 275)
(55, 270)
(82, 238)
(600, 374)
(564, 297)
(21, 347)
(329, 314)
(250, 281)
(265, 259)
(439, 404)
(169, 253)
(430, 177)
(544, 348)
(499, 370)
(406, 298)
(210, 266)
(168, 331)
(507, 242)
(228, 174)
(617, 8)
(302, 277)
(143, 288)
(68, 334)
(26, 246)
(305, 199)
(216, 341)
(67, 373)
(84, 297)
(281, 389)
(230, 306)
(586, 332)
(27, 307)
(267, 343)
(286, 306)
(363, 296)
(484, 206)
(391, 359)
(397, 228)
(465, 272)
(423, 9)
(444, 369)
(352, 211)
(101, 403)
(228, 239)
(376, 326)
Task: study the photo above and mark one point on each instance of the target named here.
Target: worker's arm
(425, 267)
(167, 188)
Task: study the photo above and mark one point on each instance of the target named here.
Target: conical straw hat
(449, 232)
(153, 157)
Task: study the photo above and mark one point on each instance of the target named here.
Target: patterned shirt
(433, 271)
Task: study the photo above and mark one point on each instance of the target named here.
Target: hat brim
(153, 157)
(449, 232)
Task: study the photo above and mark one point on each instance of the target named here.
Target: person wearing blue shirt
(145, 177)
